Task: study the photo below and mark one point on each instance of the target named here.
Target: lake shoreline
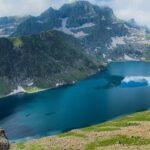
(27, 139)
(90, 91)
(57, 84)
(104, 66)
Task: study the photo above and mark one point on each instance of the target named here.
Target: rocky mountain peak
(78, 8)
(133, 23)
(80, 14)
(49, 12)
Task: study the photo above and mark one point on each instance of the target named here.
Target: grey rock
(4, 143)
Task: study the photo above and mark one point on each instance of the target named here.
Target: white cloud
(28, 7)
(23, 7)
(58, 3)
(125, 9)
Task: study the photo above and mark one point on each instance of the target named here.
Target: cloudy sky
(125, 9)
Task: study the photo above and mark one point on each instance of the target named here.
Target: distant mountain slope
(80, 19)
(98, 29)
(42, 60)
(8, 25)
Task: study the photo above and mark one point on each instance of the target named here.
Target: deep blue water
(99, 98)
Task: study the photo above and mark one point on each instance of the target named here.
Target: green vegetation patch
(23, 146)
(100, 129)
(20, 146)
(32, 89)
(119, 123)
(35, 147)
(74, 134)
(110, 126)
(17, 42)
(3, 87)
(141, 116)
(74, 75)
(119, 139)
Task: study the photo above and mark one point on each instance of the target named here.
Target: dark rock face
(4, 144)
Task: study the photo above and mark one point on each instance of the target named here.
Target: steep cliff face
(4, 144)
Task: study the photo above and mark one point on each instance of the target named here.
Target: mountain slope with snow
(64, 45)
(97, 28)
(8, 25)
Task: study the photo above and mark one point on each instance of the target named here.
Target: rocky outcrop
(4, 144)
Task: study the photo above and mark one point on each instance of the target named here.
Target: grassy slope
(127, 133)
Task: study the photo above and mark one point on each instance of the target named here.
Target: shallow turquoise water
(121, 89)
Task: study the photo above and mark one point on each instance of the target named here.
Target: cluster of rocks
(4, 143)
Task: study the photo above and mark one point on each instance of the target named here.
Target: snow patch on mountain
(3, 35)
(109, 60)
(59, 84)
(86, 25)
(104, 55)
(126, 57)
(117, 41)
(30, 83)
(63, 28)
(7, 30)
(18, 90)
(69, 31)
(108, 28)
(80, 34)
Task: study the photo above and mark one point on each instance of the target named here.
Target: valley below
(74, 78)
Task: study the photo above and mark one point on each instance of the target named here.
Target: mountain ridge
(97, 28)
(65, 45)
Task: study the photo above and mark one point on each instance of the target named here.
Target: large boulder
(4, 143)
